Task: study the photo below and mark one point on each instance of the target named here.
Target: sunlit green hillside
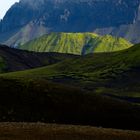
(76, 43)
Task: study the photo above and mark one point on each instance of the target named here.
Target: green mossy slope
(76, 43)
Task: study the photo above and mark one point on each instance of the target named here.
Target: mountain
(76, 43)
(29, 19)
(14, 60)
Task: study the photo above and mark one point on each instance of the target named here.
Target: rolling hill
(76, 43)
(12, 59)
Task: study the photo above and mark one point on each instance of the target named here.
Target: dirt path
(39, 131)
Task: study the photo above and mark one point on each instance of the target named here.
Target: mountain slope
(14, 60)
(67, 16)
(129, 32)
(27, 33)
(76, 43)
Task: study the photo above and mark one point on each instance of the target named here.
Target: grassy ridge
(76, 43)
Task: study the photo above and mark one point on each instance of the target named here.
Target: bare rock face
(138, 13)
(68, 16)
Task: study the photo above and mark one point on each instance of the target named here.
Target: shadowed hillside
(14, 60)
(29, 100)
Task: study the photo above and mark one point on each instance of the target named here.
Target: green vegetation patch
(76, 43)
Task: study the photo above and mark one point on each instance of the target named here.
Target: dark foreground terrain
(38, 131)
(32, 100)
(98, 89)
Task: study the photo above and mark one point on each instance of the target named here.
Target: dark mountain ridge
(66, 16)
